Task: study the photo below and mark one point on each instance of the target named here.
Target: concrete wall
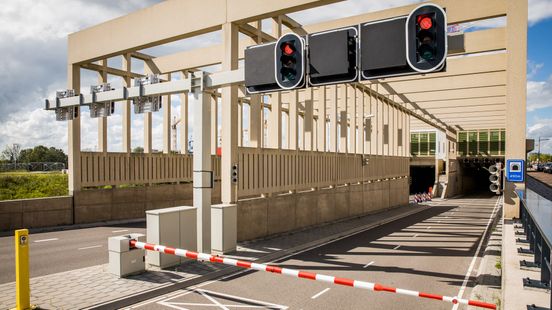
(261, 217)
(33, 213)
(130, 203)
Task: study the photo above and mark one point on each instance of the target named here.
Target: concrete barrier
(36, 212)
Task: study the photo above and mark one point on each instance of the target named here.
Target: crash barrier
(422, 197)
(302, 274)
(536, 220)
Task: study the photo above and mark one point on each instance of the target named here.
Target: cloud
(539, 10)
(539, 94)
(533, 68)
(541, 129)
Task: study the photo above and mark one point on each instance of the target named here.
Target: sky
(33, 45)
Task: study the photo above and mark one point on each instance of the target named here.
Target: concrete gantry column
(293, 128)
(184, 119)
(308, 126)
(333, 118)
(343, 122)
(73, 134)
(321, 130)
(229, 114)
(516, 95)
(147, 132)
(202, 179)
(352, 126)
(214, 124)
(102, 121)
(167, 121)
(275, 118)
(255, 121)
(126, 66)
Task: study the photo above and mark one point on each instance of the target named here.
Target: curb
(274, 257)
(75, 226)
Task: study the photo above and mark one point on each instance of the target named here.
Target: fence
(265, 171)
(33, 166)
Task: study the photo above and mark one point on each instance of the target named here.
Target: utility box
(173, 227)
(124, 261)
(224, 230)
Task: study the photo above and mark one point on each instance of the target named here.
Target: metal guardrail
(536, 220)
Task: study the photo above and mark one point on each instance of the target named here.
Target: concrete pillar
(308, 126)
(321, 130)
(351, 99)
(293, 128)
(184, 119)
(214, 123)
(73, 134)
(202, 167)
(344, 123)
(516, 93)
(102, 121)
(275, 118)
(229, 114)
(127, 144)
(255, 121)
(167, 121)
(147, 132)
(333, 118)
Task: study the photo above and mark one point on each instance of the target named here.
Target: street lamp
(538, 153)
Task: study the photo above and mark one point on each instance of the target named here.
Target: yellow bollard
(23, 288)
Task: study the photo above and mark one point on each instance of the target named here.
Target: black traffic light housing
(289, 61)
(404, 45)
(332, 56)
(426, 34)
(259, 69)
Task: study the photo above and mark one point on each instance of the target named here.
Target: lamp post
(538, 153)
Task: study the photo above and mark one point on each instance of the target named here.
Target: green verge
(22, 185)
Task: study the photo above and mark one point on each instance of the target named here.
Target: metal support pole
(23, 288)
(203, 174)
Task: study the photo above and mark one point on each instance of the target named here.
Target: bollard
(22, 286)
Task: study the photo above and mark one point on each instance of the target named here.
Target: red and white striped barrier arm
(303, 274)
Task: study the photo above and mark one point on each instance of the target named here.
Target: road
(432, 251)
(58, 251)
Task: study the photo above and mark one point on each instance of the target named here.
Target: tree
(12, 153)
(41, 153)
(138, 149)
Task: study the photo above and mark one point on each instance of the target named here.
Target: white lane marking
(320, 293)
(46, 240)
(211, 299)
(416, 235)
(472, 264)
(428, 227)
(90, 247)
(118, 231)
(398, 246)
(370, 263)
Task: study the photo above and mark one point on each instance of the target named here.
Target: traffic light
(495, 178)
(426, 33)
(332, 56)
(259, 66)
(404, 45)
(234, 173)
(289, 61)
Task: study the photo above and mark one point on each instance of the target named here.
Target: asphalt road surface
(432, 251)
(58, 251)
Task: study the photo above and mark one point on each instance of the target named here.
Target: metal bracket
(523, 251)
(535, 284)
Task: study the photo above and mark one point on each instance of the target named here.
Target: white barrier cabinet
(224, 231)
(124, 261)
(173, 227)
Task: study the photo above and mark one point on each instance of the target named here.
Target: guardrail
(536, 220)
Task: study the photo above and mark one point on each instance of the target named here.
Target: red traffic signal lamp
(426, 38)
(289, 61)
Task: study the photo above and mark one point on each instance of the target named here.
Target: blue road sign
(515, 171)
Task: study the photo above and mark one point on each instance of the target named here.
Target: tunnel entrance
(475, 178)
(422, 178)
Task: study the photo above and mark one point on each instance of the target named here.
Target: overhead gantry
(344, 146)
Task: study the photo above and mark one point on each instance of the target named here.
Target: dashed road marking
(398, 246)
(46, 240)
(416, 235)
(428, 227)
(370, 263)
(90, 247)
(320, 293)
(118, 231)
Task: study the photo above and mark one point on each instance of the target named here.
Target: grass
(23, 184)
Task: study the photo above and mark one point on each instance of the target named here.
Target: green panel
(495, 138)
(502, 142)
(424, 149)
(432, 143)
(462, 143)
(472, 142)
(484, 142)
(414, 144)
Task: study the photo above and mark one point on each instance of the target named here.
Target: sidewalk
(95, 287)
